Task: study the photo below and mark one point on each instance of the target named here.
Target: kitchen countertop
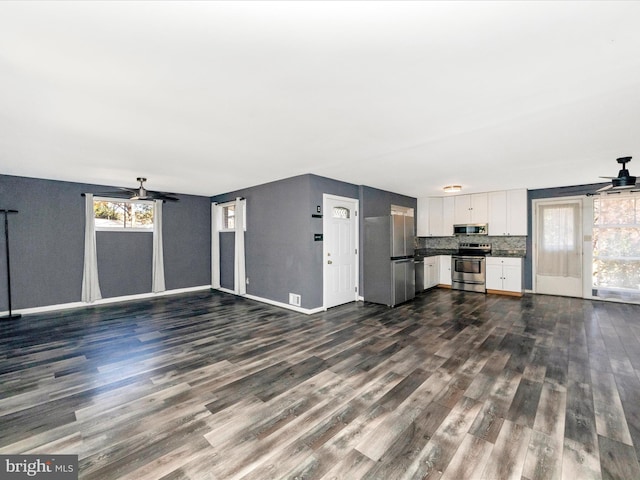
(508, 253)
(431, 252)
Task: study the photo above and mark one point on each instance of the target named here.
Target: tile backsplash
(497, 243)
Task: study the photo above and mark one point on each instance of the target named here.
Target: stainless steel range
(468, 267)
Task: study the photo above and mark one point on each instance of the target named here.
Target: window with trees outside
(616, 247)
(123, 215)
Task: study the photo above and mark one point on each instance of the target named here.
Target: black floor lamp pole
(6, 239)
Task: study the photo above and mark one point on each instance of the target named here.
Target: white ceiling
(208, 97)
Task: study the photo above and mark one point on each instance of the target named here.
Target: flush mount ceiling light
(452, 188)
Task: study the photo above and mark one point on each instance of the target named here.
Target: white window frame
(123, 229)
(221, 206)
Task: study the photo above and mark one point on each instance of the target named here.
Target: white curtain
(157, 281)
(90, 283)
(215, 245)
(558, 246)
(240, 277)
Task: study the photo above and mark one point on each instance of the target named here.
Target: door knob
(329, 262)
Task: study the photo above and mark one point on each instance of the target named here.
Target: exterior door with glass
(558, 247)
(340, 253)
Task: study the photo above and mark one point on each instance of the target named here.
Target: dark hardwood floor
(454, 385)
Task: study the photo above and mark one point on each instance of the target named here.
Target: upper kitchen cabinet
(508, 213)
(422, 214)
(471, 208)
(435, 216)
(448, 208)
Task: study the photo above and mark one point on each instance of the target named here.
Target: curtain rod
(229, 201)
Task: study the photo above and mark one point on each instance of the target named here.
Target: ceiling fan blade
(604, 189)
(163, 196)
(610, 178)
(139, 193)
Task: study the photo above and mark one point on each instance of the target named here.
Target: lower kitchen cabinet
(445, 270)
(431, 272)
(504, 275)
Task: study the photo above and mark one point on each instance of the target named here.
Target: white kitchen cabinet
(445, 270)
(431, 272)
(508, 212)
(504, 275)
(448, 209)
(471, 208)
(422, 220)
(435, 216)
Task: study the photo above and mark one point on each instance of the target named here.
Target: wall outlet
(295, 299)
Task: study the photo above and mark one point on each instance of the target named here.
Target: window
(558, 237)
(227, 221)
(341, 212)
(616, 247)
(123, 215)
(558, 227)
(229, 217)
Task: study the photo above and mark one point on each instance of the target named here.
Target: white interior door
(558, 247)
(340, 253)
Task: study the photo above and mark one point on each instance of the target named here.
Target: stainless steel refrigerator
(388, 267)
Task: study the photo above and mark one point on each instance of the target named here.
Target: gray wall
(376, 203)
(532, 195)
(281, 254)
(47, 245)
(227, 251)
(124, 263)
(187, 242)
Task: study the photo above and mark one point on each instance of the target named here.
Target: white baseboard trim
(225, 290)
(307, 311)
(105, 301)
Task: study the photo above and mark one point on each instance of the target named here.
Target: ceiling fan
(624, 180)
(139, 193)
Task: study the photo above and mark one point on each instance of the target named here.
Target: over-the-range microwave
(471, 229)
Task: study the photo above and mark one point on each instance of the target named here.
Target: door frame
(356, 244)
(586, 271)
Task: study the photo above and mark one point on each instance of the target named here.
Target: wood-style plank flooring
(453, 385)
